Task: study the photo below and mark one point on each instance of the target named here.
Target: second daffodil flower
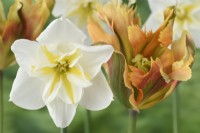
(60, 72)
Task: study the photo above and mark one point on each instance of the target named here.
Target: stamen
(141, 62)
(62, 67)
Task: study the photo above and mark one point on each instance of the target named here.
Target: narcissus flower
(187, 17)
(146, 66)
(77, 10)
(60, 72)
(25, 19)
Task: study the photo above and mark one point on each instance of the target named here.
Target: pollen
(62, 67)
(141, 62)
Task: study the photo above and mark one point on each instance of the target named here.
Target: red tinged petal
(98, 34)
(12, 28)
(154, 43)
(159, 95)
(34, 17)
(137, 38)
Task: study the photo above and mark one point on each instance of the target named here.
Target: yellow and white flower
(187, 17)
(77, 10)
(60, 72)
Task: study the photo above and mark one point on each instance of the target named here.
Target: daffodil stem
(63, 130)
(175, 111)
(1, 101)
(87, 122)
(132, 121)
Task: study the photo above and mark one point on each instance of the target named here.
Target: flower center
(141, 62)
(184, 13)
(181, 13)
(62, 67)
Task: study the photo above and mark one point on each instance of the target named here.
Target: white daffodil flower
(60, 72)
(187, 17)
(77, 10)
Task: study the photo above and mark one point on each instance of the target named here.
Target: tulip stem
(1, 101)
(87, 122)
(132, 121)
(175, 111)
(63, 130)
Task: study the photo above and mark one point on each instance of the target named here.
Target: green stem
(87, 122)
(132, 121)
(63, 130)
(1, 101)
(175, 111)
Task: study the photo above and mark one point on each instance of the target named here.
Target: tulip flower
(146, 66)
(60, 72)
(187, 17)
(25, 19)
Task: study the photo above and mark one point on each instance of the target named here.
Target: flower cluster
(143, 64)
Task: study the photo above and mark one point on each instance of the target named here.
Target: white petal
(98, 96)
(160, 5)
(93, 58)
(61, 113)
(61, 31)
(78, 81)
(195, 36)
(52, 87)
(60, 7)
(26, 53)
(70, 93)
(27, 91)
(154, 21)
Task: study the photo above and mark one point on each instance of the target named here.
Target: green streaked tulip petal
(116, 72)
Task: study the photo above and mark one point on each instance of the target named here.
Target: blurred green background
(113, 119)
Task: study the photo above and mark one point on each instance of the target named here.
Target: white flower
(77, 10)
(187, 17)
(60, 72)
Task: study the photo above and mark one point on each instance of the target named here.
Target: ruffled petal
(61, 112)
(93, 57)
(27, 91)
(98, 96)
(68, 33)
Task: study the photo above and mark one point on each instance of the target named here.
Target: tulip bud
(25, 19)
